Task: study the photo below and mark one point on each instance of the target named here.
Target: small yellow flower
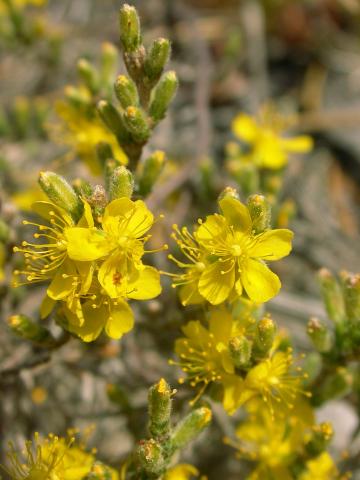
(204, 355)
(82, 131)
(228, 258)
(269, 147)
(43, 259)
(121, 244)
(274, 381)
(52, 458)
(98, 312)
(272, 445)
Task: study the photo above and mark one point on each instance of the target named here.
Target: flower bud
(156, 59)
(320, 439)
(240, 351)
(136, 123)
(246, 174)
(98, 198)
(121, 183)
(76, 97)
(320, 335)
(104, 152)
(150, 458)
(150, 172)
(228, 192)
(22, 115)
(163, 95)
(265, 335)
(336, 385)
(126, 92)
(88, 75)
(190, 427)
(260, 212)
(82, 187)
(99, 471)
(351, 289)
(4, 232)
(159, 409)
(109, 57)
(25, 328)
(332, 296)
(130, 35)
(61, 193)
(113, 120)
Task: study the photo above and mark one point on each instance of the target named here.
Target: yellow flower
(274, 381)
(183, 471)
(321, 468)
(270, 148)
(52, 458)
(121, 242)
(273, 445)
(82, 131)
(43, 259)
(235, 256)
(204, 355)
(99, 312)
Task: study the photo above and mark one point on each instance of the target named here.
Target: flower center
(122, 241)
(236, 250)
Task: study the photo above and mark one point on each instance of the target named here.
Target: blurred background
(231, 56)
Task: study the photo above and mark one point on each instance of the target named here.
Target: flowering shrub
(97, 253)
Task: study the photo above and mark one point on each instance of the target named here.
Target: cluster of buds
(337, 341)
(19, 26)
(153, 457)
(25, 118)
(144, 95)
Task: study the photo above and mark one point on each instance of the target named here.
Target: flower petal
(86, 220)
(94, 321)
(300, 144)
(259, 282)
(120, 321)
(85, 244)
(213, 227)
(245, 128)
(146, 286)
(86, 271)
(61, 285)
(214, 285)
(236, 213)
(113, 276)
(220, 324)
(47, 306)
(43, 209)
(272, 245)
(189, 294)
(140, 219)
(183, 471)
(233, 389)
